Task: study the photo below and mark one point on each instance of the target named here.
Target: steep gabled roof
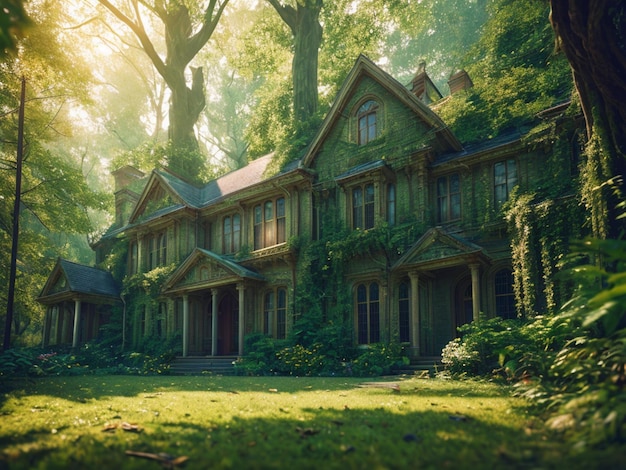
(220, 270)
(251, 174)
(69, 279)
(438, 249)
(187, 195)
(365, 67)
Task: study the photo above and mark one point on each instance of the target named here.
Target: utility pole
(16, 218)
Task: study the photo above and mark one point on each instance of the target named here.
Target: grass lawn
(271, 422)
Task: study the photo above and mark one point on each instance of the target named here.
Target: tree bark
(182, 44)
(592, 35)
(303, 20)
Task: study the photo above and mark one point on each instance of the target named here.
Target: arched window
(231, 234)
(404, 313)
(368, 313)
(368, 126)
(505, 297)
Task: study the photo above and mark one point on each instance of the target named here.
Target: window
(505, 297)
(269, 223)
(275, 313)
(449, 198)
(162, 254)
(368, 313)
(231, 233)
(134, 257)
(391, 204)
(403, 313)
(504, 180)
(367, 122)
(363, 207)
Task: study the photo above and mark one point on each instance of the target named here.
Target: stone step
(422, 365)
(196, 365)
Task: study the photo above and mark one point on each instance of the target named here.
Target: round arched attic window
(368, 122)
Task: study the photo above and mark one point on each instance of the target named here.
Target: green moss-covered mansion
(408, 221)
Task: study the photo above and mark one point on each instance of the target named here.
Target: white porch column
(77, 306)
(214, 324)
(185, 325)
(415, 313)
(240, 289)
(475, 291)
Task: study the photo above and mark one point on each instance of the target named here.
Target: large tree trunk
(592, 34)
(182, 45)
(307, 33)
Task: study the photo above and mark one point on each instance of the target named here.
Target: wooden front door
(228, 326)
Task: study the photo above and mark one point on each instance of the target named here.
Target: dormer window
(368, 123)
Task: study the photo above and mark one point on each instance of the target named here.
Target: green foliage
(514, 51)
(268, 356)
(378, 359)
(585, 384)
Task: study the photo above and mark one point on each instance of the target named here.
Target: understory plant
(585, 387)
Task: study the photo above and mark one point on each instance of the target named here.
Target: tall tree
(592, 35)
(56, 201)
(303, 18)
(188, 27)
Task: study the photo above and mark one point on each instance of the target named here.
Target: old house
(381, 162)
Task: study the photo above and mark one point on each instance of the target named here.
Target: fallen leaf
(130, 427)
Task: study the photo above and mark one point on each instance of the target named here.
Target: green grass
(271, 422)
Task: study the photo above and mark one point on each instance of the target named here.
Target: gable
(156, 197)
(437, 249)
(408, 125)
(204, 269)
(69, 280)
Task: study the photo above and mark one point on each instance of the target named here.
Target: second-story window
(504, 180)
(368, 126)
(363, 206)
(269, 223)
(231, 233)
(449, 198)
(391, 204)
(157, 250)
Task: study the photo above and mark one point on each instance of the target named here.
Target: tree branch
(141, 34)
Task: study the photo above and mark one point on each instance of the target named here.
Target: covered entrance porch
(214, 299)
(443, 273)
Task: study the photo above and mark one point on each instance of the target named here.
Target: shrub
(378, 359)
(511, 349)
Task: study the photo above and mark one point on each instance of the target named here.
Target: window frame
(231, 233)
(368, 321)
(368, 122)
(504, 294)
(449, 203)
(404, 312)
(275, 313)
(270, 223)
(508, 181)
(363, 207)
